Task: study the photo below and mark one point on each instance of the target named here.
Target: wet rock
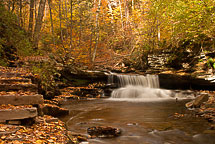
(103, 131)
(87, 92)
(76, 137)
(54, 110)
(198, 101)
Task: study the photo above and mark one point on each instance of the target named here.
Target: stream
(145, 113)
(140, 122)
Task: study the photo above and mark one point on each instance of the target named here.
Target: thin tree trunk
(31, 18)
(20, 13)
(8, 5)
(13, 6)
(112, 16)
(39, 22)
(80, 24)
(97, 32)
(126, 11)
(132, 2)
(60, 17)
(120, 6)
(66, 17)
(71, 25)
(35, 9)
(52, 26)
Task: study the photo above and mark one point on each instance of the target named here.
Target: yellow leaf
(39, 141)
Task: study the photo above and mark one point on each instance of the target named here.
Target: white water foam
(151, 81)
(142, 88)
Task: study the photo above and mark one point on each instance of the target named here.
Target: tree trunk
(60, 17)
(71, 25)
(35, 9)
(66, 16)
(20, 13)
(52, 26)
(97, 32)
(8, 4)
(13, 6)
(120, 6)
(39, 22)
(31, 18)
(80, 26)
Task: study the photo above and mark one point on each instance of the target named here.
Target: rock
(17, 114)
(21, 99)
(82, 77)
(77, 137)
(28, 121)
(189, 104)
(198, 101)
(209, 132)
(54, 110)
(103, 131)
(210, 105)
(176, 81)
(14, 122)
(16, 87)
(13, 80)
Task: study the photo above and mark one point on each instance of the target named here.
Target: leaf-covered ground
(46, 130)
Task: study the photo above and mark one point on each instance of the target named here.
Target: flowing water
(144, 113)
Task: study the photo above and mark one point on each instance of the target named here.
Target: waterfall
(139, 87)
(151, 81)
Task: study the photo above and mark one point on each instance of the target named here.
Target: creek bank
(204, 106)
(22, 111)
(46, 129)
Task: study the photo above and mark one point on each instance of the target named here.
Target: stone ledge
(21, 99)
(25, 87)
(16, 114)
(12, 80)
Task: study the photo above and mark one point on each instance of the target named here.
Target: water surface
(152, 122)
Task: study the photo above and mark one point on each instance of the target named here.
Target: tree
(39, 22)
(51, 20)
(31, 18)
(97, 31)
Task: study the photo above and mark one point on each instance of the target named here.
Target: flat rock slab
(17, 114)
(10, 74)
(21, 99)
(14, 80)
(16, 87)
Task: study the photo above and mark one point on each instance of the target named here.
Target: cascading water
(151, 81)
(138, 87)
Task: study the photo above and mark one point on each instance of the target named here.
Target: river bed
(151, 122)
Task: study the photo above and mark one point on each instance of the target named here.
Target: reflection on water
(141, 122)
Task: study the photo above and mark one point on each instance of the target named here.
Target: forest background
(104, 33)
